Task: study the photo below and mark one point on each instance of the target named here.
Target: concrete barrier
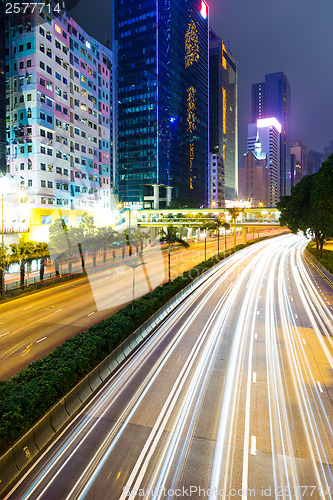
(43, 431)
(84, 390)
(72, 401)
(126, 347)
(111, 361)
(8, 469)
(59, 415)
(103, 370)
(94, 379)
(25, 450)
(119, 355)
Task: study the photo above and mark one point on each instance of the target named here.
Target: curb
(320, 268)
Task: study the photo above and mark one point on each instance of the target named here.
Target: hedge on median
(30, 393)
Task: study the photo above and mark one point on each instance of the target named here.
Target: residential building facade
(162, 101)
(299, 162)
(216, 182)
(59, 116)
(223, 110)
(2, 91)
(254, 178)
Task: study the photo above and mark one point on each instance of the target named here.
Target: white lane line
(58, 310)
(303, 340)
(291, 299)
(319, 386)
(254, 377)
(253, 445)
(29, 307)
(3, 334)
(256, 336)
(69, 292)
(91, 314)
(296, 316)
(123, 297)
(257, 313)
(41, 340)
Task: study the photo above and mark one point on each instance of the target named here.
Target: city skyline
(269, 43)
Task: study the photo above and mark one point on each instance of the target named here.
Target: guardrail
(25, 450)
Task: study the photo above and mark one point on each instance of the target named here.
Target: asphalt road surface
(31, 326)
(230, 398)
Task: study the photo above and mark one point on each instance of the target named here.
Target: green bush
(30, 393)
(326, 260)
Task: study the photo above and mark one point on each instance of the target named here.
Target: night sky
(266, 36)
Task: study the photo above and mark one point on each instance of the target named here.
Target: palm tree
(234, 212)
(42, 252)
(206, 226)
(226, 228)
(170, 237)
(5, 261)
(22, 252)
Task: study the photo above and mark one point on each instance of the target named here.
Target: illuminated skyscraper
(271, 98)
(264, 139)
(162, 101)
(223, 111)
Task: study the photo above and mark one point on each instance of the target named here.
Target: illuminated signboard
(191, 45)
(204, 9)
(269, 122)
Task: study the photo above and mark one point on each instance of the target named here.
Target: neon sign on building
(191, 125)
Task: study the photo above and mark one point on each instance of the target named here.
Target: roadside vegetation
(310, 206)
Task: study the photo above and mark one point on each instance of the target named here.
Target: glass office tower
(162, 101)
(271, 98)
(223, 111)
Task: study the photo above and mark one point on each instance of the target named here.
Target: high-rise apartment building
(254, 178)
(216, 182)
(162, 101)
(264, 138)
(314, 161)
(271, 98)
(223, 110)
(328, 151)
(59, 91)
(2, 90)
(299, 164)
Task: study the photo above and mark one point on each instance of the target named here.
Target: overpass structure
(249, 219)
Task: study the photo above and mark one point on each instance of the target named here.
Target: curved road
(230, 398)
(32, 325)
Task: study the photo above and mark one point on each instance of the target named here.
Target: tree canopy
(310, 205)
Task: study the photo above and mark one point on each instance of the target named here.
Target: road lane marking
(256, 336)
(26, 350)
(29, 307)
(69, 292)
(296, 316)
(254, 377)
(320, 388)
(41, 340)
(303, 341)
(58, 311)
(257, 313)
(91, 313)
(253, 445)
(3, 334)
